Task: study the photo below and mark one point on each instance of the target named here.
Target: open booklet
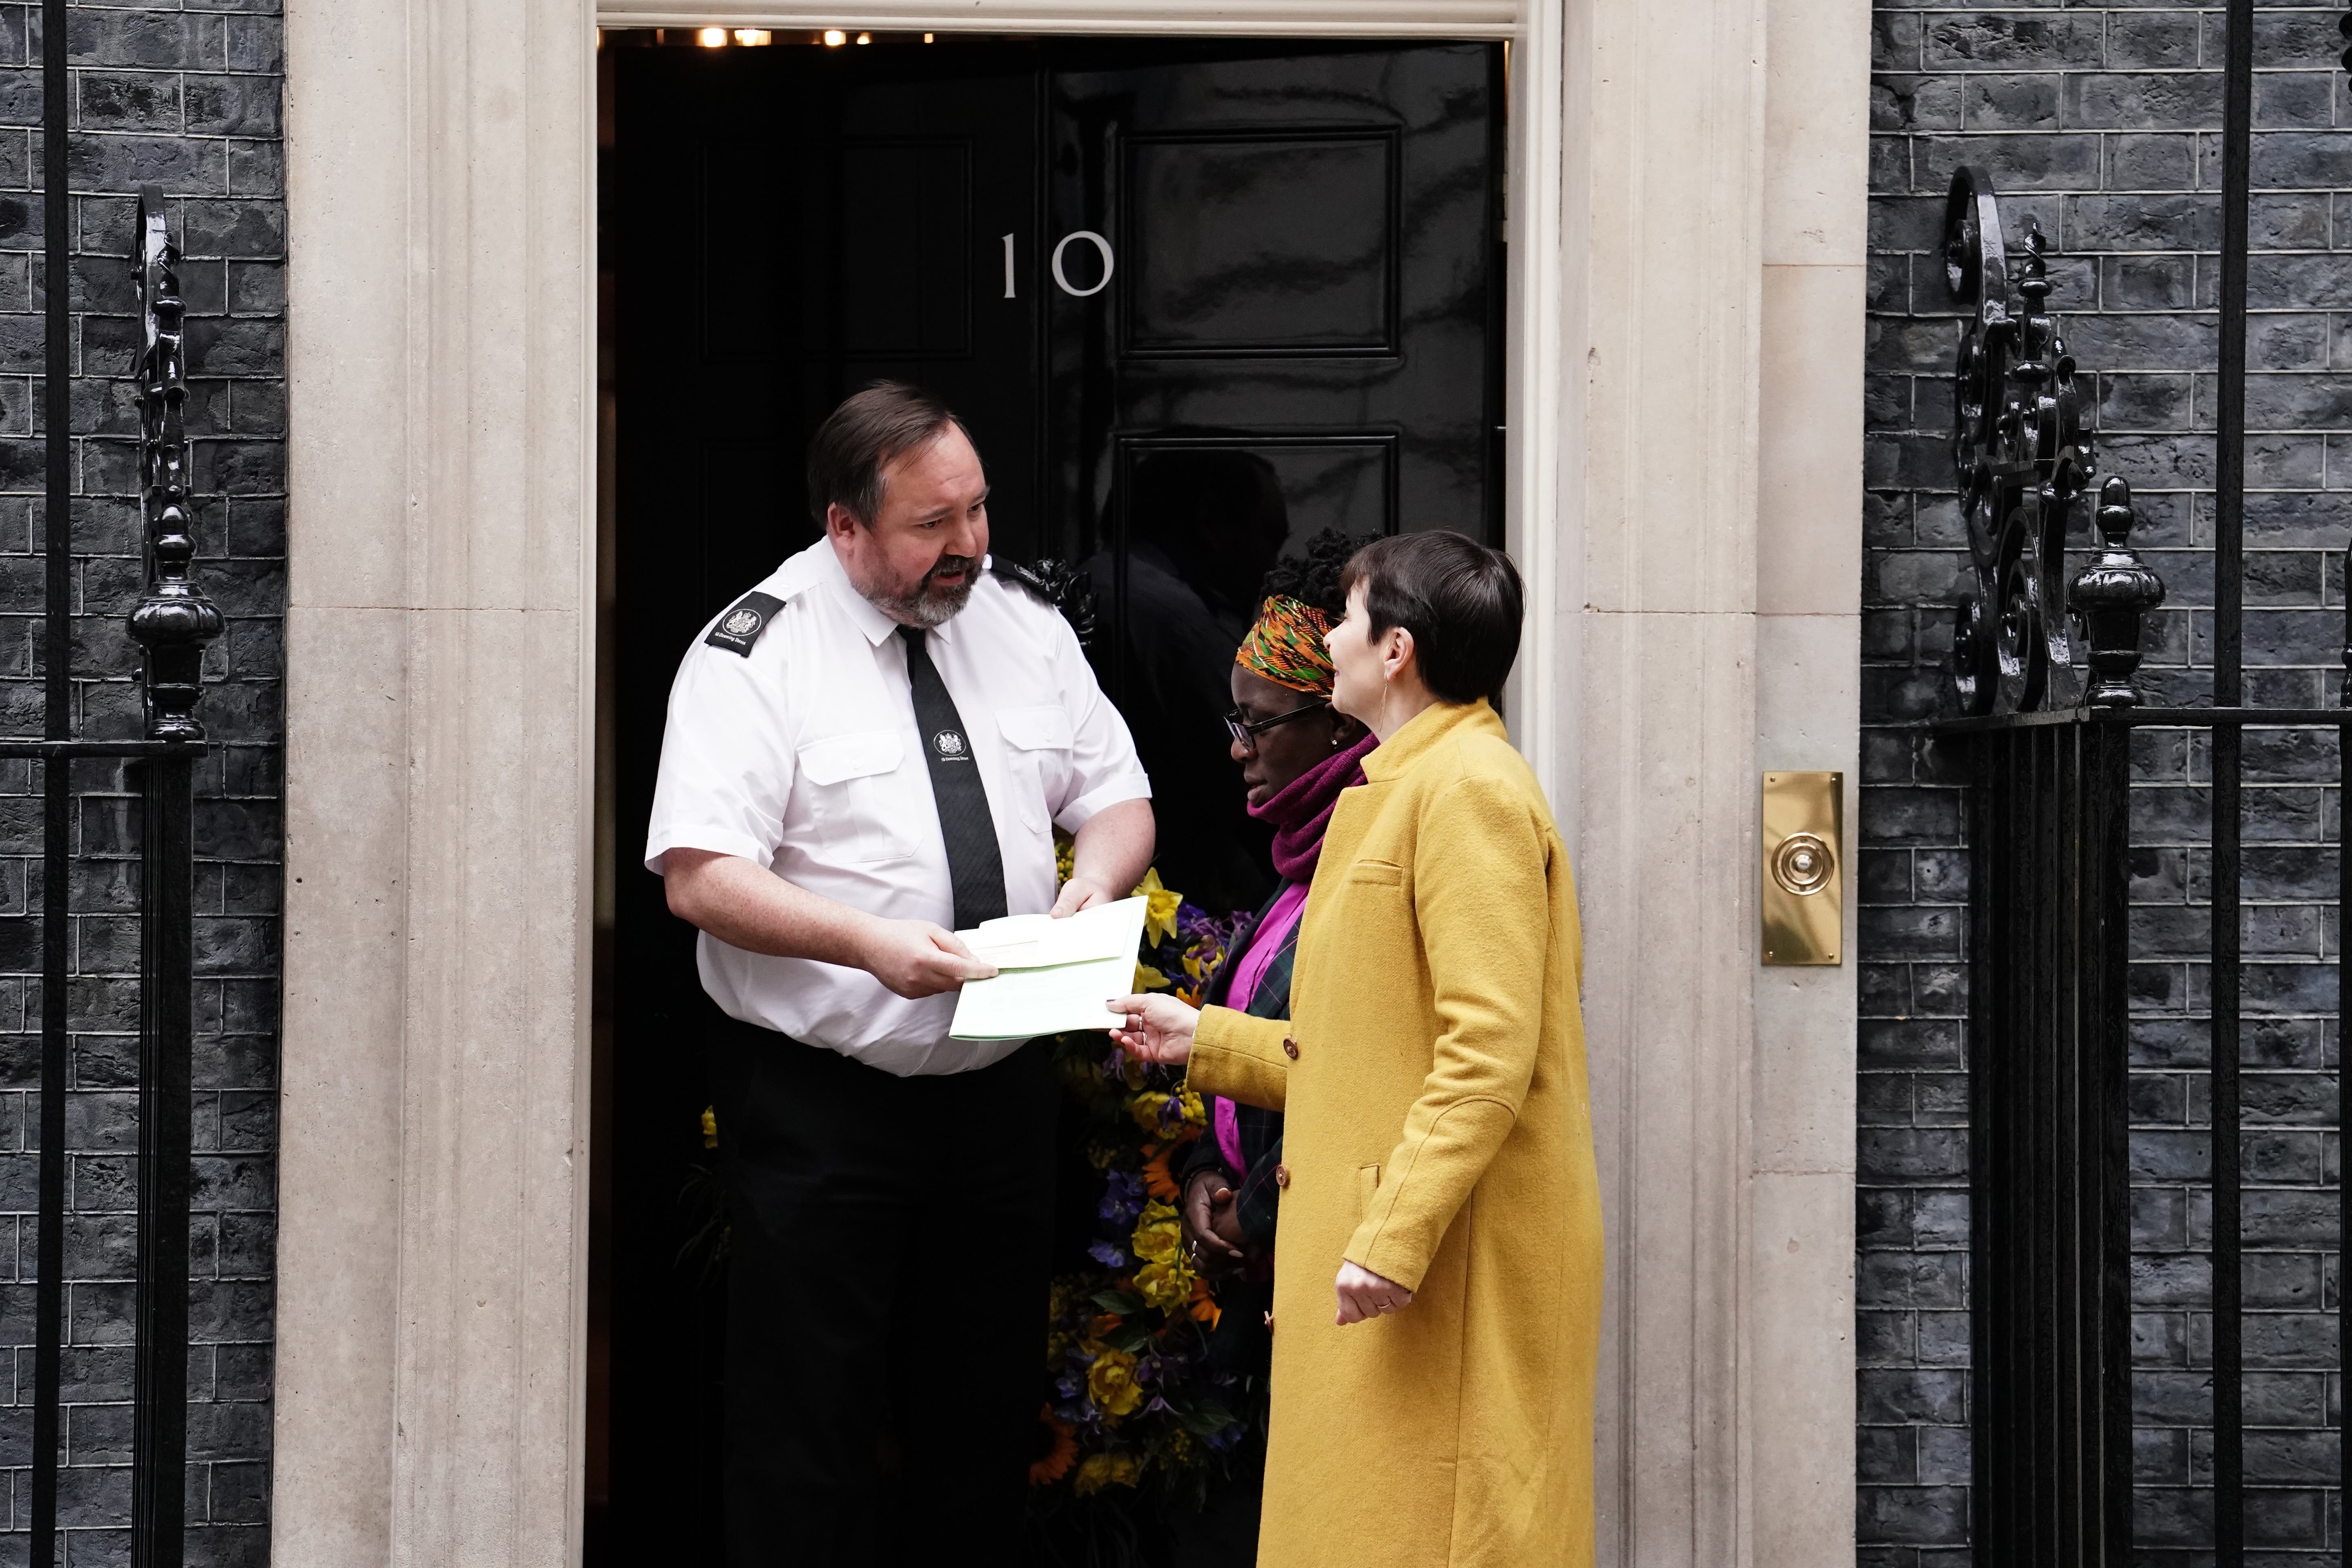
(1052, 976)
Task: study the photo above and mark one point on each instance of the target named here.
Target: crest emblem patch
(949, 743)
(741, 627)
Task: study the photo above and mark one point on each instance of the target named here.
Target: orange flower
(1157, 1181)
(1057, 1463)
(1204, 1305)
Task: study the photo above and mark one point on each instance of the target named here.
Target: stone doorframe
(1687, 212)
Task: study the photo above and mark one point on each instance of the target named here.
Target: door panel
(1300, 261)
(1307, 281)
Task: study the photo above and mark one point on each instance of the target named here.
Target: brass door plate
(1803, 906)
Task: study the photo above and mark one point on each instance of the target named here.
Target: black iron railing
(2045, 667)
(172, 622)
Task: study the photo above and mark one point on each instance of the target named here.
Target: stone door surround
(1686, 224)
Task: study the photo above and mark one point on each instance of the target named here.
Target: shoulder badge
(740, 628)
(1057, 584)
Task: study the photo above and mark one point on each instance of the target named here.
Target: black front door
(1197, 303)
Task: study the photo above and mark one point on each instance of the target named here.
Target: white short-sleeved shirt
(802, 756)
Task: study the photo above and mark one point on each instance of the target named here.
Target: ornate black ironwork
(2022, 456)
(1059, 584)
(2052, 982)
(173, 620)
(2112, 597)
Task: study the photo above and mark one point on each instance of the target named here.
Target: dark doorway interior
(1198, 301)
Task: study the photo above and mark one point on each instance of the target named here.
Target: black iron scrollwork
(173, 620)
(1059, 584)
(2022, 457)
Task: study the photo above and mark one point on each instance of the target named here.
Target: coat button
(1282, 1175)
(1290, 1048)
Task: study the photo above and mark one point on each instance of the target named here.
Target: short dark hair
(1461, 601)
(865, 434)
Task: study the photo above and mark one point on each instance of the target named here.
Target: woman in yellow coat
(1438, 1174)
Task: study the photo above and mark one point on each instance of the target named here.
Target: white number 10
(1102, 247)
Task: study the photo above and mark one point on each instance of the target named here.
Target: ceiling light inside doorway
(711, 38)
(864, 37)
(835, 37)
(927, 37)
(752, 38)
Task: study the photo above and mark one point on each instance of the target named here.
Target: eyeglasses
(1246, 730)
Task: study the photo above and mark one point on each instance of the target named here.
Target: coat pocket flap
(839, 757)
(1385, 873)
(1036, 728)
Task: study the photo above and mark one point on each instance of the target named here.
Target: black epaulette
(1056, 583)
(740, 628)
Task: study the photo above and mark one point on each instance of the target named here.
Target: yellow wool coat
(1437, 1133)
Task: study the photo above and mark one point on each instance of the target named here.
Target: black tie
(976, 865)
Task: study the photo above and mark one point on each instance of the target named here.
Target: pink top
(1248, 970)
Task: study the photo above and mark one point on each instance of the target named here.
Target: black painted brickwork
(186, 97)
(2100, 125)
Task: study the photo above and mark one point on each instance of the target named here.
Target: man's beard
(927, 604)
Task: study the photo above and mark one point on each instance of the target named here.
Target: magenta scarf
(1301, 809)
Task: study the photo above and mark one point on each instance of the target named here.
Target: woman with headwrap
(1297, 754)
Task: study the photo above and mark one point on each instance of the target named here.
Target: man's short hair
(870, 430)
(1461, 601)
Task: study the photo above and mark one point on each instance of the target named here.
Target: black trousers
(889, 1243)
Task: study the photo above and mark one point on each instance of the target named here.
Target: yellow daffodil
(1145, 1109)
(1166, 1286)
(1110, 1381)
(1160, 914)
(1100, 1470)
(1158, 1237)
(710, 1127)
(1150, 979)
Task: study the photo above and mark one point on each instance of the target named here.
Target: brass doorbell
(1803, 902)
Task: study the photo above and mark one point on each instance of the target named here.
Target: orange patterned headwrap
(1286, 646)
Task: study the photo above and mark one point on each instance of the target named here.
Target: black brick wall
(2100, 125)
(186, 97)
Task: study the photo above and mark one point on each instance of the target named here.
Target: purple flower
(1122, 1199)
(1109, 1256)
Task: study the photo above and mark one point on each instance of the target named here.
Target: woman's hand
(1213, 1230)
(1158, 1028)
(1364, 1294)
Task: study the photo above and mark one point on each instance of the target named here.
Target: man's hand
(1158, 1028)
(1082, 892)
(1213, 1230)
(1108, 855)
(916, 958)
(1364, 1294)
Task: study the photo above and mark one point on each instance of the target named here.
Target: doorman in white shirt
(865, 754)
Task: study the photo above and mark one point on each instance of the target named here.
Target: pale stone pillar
(432, 1252)
(1715, 196)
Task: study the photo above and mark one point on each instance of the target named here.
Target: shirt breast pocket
(853, 795)
(1038, 742)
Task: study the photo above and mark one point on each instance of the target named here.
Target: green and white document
(1052, 976)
